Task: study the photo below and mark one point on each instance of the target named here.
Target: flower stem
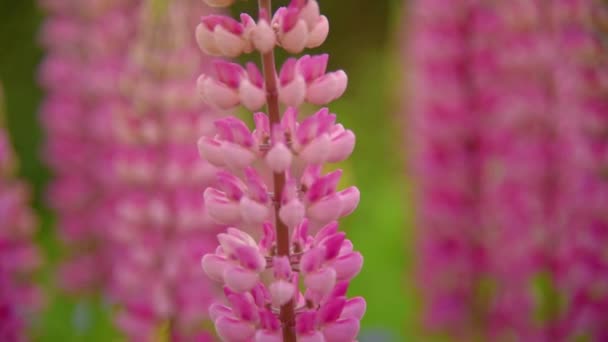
(287, 315)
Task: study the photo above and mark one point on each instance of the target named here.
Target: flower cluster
(158, 229)
(272, 185)
(19, 256)
(518, 168)
(445, 158)
(86, 43)
(581, 268)
(294, 28)
(300, 80)
(511, 166)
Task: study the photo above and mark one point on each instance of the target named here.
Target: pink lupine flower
(580, 78)
(272, 187)
(446, 154)
(300, 25)
(509, 157)
(19, 256)
(219, 35)
(248, 317)
(233, 86)
(305, 79)
(81, 87)
(158, 227)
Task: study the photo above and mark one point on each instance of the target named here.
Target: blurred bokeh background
(364, 42)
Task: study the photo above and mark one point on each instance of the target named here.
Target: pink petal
(312, 337)
(211, 150)
(233, 330)
(250, 258)
(293, 93)
(263, 37)
(217, 310)
(228, 73)
(330, 311)
(281, 267)
(325, 232)
(321, 281)
(243, 308)
(333, 244)
(231, 185)
(255, 75)
(325, 210)
(269, 321)
(257, 188)
(312, 260)
(241, 235)
(228, 43)
(220, 209)
(350, 200)
(281, 292)
(348, 266)
(313, 67)
(239, 279)
(252, 97)
(324, 186)
(318, 34)
(305, 323)
(206, 41)
(268, 237)
(323, 90)
(236, 156)
(268, 336)
(214, 266)
(341, 147)
(217, 94)
(344, 330)
(288, 71)
(317, 151)
(341, 83)
(279, 158)
(309, 11)
(262, 126)
(252, 211)
(230, 243)
(354, 308)
(294, 41)
(289, 18)
(292, 213)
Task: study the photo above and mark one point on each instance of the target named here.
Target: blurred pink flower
(19, 256)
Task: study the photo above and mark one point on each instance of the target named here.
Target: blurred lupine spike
(19, 256)
(581, 88)
(159, 225)
(281, 158)
(122, 118)
(508, 128)
(86, 43)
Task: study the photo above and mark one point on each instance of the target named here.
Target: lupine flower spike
(19, 256)
(158, 232)
(86, 43)
(279, 208)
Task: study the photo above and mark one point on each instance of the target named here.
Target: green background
(365, 39)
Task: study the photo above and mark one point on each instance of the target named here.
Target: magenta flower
(157, 227)
(19, 256)
(581, 266)
(509, 157)
(77, 115)
(272, 186)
